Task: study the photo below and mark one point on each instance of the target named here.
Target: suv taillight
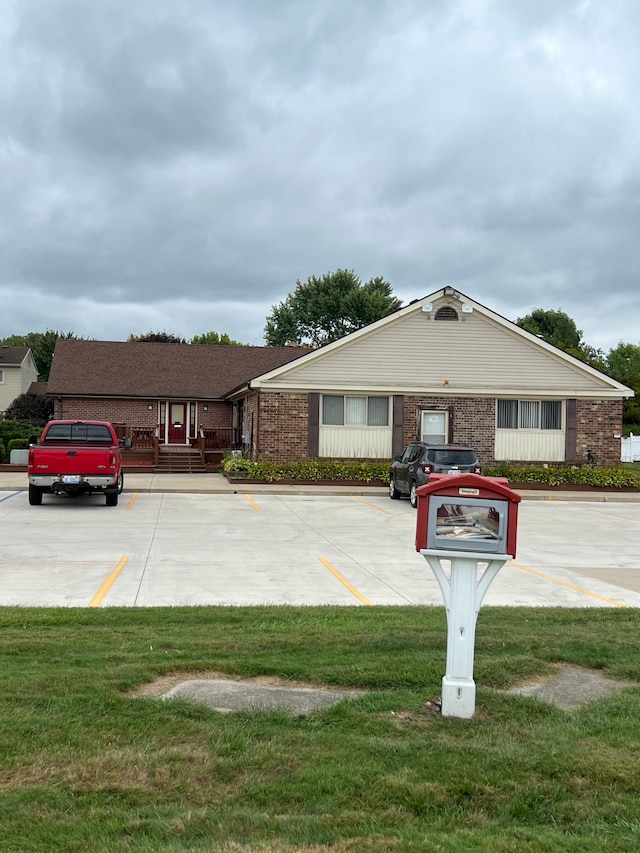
(427, 469)
(477, 469)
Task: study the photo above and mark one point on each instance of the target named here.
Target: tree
(623, 363)
(559, 329)
(327, 308)
(214, 339)
(42, 345)
(156, 338)
(35, 409)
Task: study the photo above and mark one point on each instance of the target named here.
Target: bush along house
(442, 369)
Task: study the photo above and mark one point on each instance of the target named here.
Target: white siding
(28, 374)
(475, 353)
(355, 442)
(11, 387)
(521, 445)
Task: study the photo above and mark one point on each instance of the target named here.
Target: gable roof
(144, 369)
(483, 354)
(12, 356)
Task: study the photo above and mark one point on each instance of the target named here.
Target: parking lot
(158, 548)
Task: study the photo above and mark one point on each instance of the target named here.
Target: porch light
(150, 407)
(205, 408)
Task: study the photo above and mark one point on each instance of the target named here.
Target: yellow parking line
(345, 582)
(253, 503)
(132, 501)
(109, 582)
(569, 585)
(362, 501)
(608, 513)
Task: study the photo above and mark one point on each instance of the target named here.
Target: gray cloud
(181, 167)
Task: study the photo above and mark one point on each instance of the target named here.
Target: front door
(177, 423)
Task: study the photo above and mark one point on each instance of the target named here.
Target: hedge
(310, 469)
(589, 475)
(378, 471)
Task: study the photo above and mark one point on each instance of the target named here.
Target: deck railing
(225, 438)
(208, 440)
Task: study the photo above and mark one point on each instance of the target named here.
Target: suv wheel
(413, 497)
(394, 494)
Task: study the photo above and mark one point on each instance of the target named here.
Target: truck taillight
(30, 458)
(112, 461)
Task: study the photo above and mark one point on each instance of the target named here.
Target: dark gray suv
(412, 468)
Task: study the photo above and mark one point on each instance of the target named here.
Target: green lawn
(85, 767)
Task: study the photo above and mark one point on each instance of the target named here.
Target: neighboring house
(17, 371)
(443, 368)
(176, 390)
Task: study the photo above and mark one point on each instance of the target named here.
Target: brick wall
(133, 412)
(284, 426)
(597, 423)
(471, 420)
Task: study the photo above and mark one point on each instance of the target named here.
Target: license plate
(453, 471)
(71, 479)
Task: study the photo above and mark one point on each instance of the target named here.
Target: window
(338, 410)
(85, 433)
(1, 376)
(435, 427)
(529, 414)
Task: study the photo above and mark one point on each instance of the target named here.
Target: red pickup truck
(76, 457)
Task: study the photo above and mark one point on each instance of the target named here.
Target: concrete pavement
(186, 550)
(218, 484)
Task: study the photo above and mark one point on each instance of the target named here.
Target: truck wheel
(112, 498)
(35, 495)
(120, 483)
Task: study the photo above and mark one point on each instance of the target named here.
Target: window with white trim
(529, 414)
(341, 410)
(1, 375)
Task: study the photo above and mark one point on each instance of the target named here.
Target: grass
(83, 766)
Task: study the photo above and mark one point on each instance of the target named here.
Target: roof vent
(446, 313)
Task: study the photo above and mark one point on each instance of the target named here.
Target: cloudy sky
(178, 166)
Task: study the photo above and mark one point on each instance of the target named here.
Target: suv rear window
(452, 457)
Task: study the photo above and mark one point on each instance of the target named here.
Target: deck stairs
(176, 459)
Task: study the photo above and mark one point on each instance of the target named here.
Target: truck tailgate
(72, 460)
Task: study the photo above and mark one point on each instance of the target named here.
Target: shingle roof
(13, 355)
(141, 369)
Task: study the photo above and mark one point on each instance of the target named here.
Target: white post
(463, 594)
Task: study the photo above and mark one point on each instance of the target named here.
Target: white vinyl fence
(631, 448)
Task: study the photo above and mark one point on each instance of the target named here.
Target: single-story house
(17, 372)
(443, 368)
(162, 395)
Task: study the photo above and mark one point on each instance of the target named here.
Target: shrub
(589, 475)
(370, 471)
(308, 469)
(2, 452)
(17, 444)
